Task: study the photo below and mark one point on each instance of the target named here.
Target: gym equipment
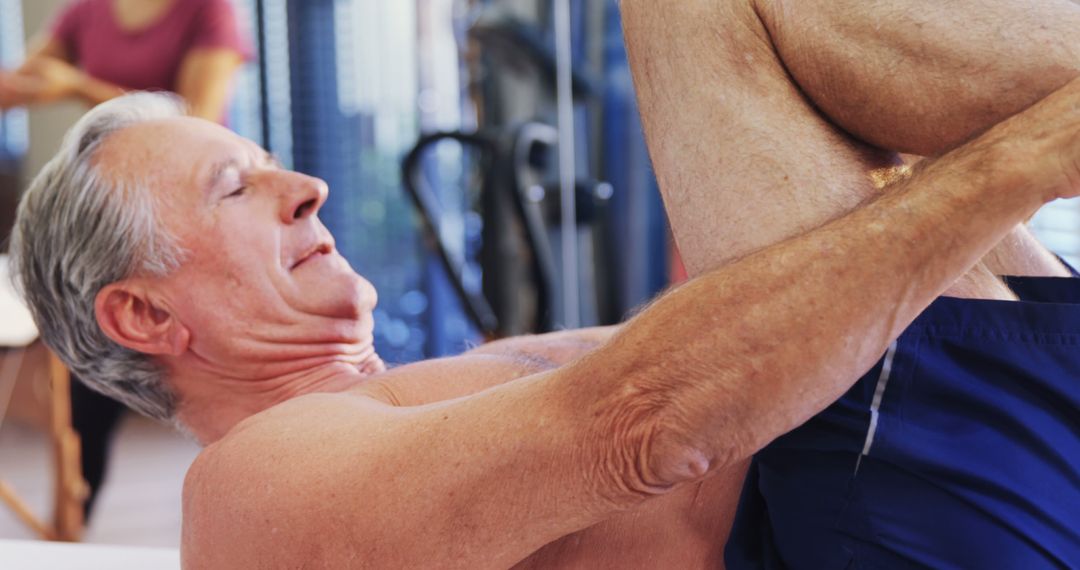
(510, 201)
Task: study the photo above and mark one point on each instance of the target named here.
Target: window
(354, 76)
(1057, 225)
(13, 126)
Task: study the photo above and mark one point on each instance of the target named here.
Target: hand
(1037, 150)
(39, 80)
(48, 79)
(15, 90)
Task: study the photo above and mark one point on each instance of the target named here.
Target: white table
(16, 327)
(33, 555)
(17, 332)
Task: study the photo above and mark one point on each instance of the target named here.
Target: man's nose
(301, 196)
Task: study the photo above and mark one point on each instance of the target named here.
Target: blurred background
(343, 89)
(437, 124)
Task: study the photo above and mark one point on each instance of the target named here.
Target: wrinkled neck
(212, 404)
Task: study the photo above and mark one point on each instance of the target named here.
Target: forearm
(94, 91)
(46, 79)
(204, 80)
(87, 89)
(704, 377)
(723, 365)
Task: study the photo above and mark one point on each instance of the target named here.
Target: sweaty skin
(523, 452)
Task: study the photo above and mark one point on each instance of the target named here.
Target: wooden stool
(69, 488)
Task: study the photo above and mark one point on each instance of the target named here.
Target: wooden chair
(69, 489)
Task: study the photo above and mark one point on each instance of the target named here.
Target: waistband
(1048, 311)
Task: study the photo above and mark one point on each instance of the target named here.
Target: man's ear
(127, 315)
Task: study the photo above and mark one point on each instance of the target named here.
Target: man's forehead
(174, 148)
(165, 136)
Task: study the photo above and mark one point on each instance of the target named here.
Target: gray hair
(79, 229)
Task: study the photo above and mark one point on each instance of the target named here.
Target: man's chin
(339, 295)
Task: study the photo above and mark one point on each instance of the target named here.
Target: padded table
(38, 555)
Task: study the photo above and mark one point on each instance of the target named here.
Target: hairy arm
(703, 378)
(921, 76)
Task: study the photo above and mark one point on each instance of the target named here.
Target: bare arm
(766, 118)
(48, 75)
(205, 79)
(921, 76)
(43, 80)
(47, 46)
(737, 104)
(703, 378)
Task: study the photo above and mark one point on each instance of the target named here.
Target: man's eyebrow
(217, 172)
(220, 168)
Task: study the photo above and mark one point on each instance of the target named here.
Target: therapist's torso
(148, 58)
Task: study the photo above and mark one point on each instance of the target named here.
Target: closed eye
(238, 192)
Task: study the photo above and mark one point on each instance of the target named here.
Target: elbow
(656, 430)
(653, 449)
(671, 457)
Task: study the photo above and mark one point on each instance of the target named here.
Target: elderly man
(175, 266)
(768, 117)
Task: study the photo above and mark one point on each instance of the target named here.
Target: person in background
(96, 50)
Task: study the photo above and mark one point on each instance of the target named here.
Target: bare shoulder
(345, 481)
(484, 367)
(553, 349)
(264, 482)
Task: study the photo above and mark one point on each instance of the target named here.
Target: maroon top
(148, 59)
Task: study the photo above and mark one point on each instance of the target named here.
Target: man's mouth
(315, 252)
